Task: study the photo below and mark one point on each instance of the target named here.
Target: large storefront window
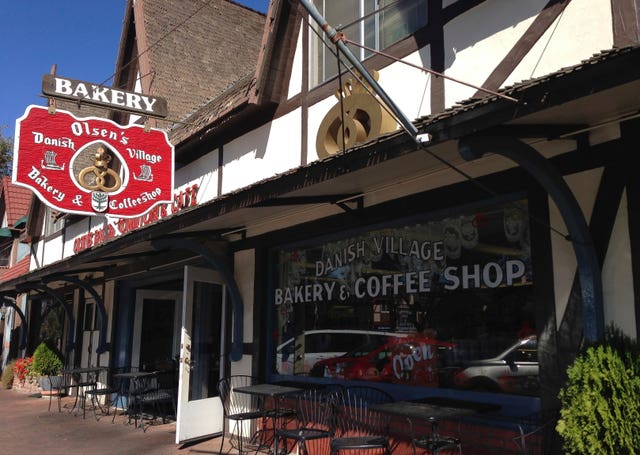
(427, 302)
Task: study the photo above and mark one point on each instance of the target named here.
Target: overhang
(559, 106)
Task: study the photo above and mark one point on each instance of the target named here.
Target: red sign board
(92, 166)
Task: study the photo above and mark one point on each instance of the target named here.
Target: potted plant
(47, 364)
(599, 403)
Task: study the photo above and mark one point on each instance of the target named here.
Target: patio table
(429, 412)
(81, 379)
(276, 392)
(134, 380)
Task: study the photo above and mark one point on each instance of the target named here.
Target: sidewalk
(27, 427)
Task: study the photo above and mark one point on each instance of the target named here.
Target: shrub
(599, 403)
(22, 368)
(47, 360)
(7, 375)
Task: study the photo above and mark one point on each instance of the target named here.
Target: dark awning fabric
(5, 232)
(21, 222)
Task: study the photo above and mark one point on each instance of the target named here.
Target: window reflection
(414, 303)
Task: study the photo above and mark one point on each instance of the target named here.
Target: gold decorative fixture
(100, 177)
(364, 119)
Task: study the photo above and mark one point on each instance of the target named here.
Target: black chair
(154, 396)
(108, 393)
(75, 383)
(241, 408)
(314, 420)
(359, 428)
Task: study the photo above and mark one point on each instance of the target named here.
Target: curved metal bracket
(8, 301)
(67, 308)
(220, 265)
(588, 265)
(103, 346)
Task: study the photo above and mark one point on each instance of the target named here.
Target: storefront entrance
(183, 330)
(199, 408)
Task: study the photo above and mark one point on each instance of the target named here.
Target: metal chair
(75, 380)
(370, 394)
(359, 427)
(243, 409)
(314, 420)
(108, 392)
(153, 396)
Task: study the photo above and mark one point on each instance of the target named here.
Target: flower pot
(50, 385)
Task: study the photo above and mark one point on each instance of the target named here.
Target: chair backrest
(315, 409)
(356, 418)
(235, 403)
(369, 394)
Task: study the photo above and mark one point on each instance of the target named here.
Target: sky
(80, 37)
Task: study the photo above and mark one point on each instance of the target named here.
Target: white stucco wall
(617, 278)
(244, 267)
(202, 172)
(269, 150)
(585, 187)
(583, 29)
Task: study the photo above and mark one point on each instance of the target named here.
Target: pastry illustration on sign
(100, 179)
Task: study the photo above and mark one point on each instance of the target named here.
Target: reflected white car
(513, 371)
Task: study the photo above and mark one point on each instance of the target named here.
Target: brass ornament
(98, 176)
(364, 119)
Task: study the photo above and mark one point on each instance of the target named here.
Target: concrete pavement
(27, 427)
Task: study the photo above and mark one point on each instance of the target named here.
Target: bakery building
(485, 212)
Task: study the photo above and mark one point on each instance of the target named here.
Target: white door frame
(201, 417)
(142, 294)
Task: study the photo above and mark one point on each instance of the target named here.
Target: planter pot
(50, 385)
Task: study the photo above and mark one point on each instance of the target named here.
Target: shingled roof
(192, 51)
(17, 200)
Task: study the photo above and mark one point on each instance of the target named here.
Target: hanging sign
(92, 166)
(100, 95)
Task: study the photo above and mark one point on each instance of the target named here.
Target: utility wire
(162, 38)
(430, 71)
(422, 146)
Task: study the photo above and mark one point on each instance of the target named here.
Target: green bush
(7, 375)
(599, 403)
(47, 360)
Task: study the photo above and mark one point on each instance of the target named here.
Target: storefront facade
(282, 254)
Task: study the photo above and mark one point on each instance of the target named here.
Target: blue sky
(81, 37)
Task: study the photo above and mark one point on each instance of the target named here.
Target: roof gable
(189, 52)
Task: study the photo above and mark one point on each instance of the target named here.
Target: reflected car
(413, 359)
(514, 371)
(298, 355)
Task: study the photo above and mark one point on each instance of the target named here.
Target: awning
(5, 232)
(20, 223)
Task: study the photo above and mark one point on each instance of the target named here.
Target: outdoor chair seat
(153, 397)
(238, 408)
(359, 427)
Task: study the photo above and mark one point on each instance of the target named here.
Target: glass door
(201, 353)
